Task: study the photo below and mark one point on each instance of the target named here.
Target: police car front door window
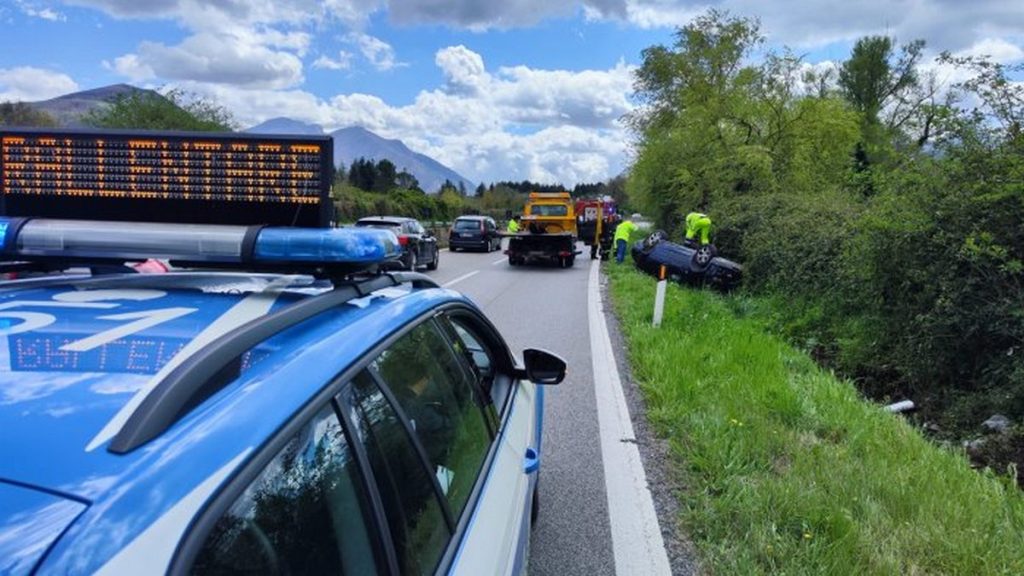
(419, 530)
(306, 513)
(438, 398)
(468, 341)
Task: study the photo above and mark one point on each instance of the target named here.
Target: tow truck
(548, 231)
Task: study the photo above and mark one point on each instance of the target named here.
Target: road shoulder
(662, 480)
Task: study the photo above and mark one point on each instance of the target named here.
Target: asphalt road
(546, 307)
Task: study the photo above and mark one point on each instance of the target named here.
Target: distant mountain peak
(283, 125)
(353, 142)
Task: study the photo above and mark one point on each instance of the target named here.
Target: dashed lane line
(451, 283)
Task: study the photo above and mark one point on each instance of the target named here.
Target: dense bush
(890, 237)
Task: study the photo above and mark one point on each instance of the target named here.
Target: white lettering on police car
(143, 320)
(36, 320)
(107, 295)
(252, 306)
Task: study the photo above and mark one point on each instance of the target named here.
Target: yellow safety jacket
(512, 226)
(697, 223)
(624, 229)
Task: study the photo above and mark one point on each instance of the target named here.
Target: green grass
(787, 470)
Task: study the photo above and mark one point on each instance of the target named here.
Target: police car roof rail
(217, 364)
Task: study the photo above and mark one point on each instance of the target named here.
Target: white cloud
(215, 58)
(377, 52)
(545, 125)
(944, 24)
(30, 84)
(485, 14)
(463, 69)
(34, 10)
(342, 62)
(998, 49)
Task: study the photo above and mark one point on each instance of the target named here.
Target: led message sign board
(188, 177)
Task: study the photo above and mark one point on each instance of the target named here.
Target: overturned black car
(689, 264)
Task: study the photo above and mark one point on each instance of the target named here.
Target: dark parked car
(690, 264)
(419, 246)
(476, 232)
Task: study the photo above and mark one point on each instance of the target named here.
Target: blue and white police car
(292, 412)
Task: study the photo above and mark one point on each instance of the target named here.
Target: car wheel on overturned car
(435, 261)
(651, 241)
(702, 256)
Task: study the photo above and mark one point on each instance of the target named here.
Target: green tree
(886, 88)
(385, 176)
(175, 109)
(23, 114)
(407, 181)
(699, 137)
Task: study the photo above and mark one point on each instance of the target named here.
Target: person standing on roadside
(622, 232)
(698, 224)
(512, 228)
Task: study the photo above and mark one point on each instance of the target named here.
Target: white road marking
(496, 262)
(636, 537)
(460, 279)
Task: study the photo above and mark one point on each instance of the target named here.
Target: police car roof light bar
(200, 245)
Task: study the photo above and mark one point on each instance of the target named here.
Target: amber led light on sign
(137, 167)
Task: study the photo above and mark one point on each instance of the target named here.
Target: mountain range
(357, 142)
(350, 143)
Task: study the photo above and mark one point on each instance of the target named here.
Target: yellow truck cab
(550, 213)
(548, 231)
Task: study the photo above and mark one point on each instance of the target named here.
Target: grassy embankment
(787, 470)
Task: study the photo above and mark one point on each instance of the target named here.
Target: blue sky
(511, 90)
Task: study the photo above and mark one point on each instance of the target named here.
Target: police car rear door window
(439, 399)
(306, 513)
(416, 519)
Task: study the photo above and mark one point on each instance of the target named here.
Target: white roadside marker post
(659, 298)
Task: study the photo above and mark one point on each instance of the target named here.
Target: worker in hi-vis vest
(698, 224)
(622, 232)
(513, 225)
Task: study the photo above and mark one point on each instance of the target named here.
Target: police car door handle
(531, 462)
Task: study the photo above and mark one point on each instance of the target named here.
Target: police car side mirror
(542, 367)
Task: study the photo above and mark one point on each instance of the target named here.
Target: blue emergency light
(26, 240)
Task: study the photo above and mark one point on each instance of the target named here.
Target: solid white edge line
(459, 279)
(636, 536)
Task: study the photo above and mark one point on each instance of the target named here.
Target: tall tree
(406, 180)
(386, 176)
(881, 84)
(699, 131)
